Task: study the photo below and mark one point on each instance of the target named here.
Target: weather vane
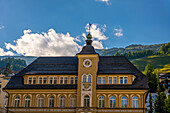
(89, 27)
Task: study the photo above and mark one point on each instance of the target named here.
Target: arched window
(84, 78)
(73, 101)
(16, 101)
(86, 101)
(123, 102)
(101, 102)
(51, 101)
(40, 102)
(112, 102)
(135, 102)
(62, 101)
(27, 101)
(89, 78)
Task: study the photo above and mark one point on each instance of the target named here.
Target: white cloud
(1, 27)
(118, 31)
(3, 53)
(27, 31)
(106, 1)
(97, 32)
(97, 44)
(54, 44)
(45, 44)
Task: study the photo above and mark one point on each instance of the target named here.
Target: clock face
(87, 63)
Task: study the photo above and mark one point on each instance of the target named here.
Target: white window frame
(62, 80)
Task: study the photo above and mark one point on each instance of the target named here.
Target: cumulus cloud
(106, 1)
(1, 27)
(45, 44)
(27, 31)
(5, 53)
(97, 32)
(118, 31)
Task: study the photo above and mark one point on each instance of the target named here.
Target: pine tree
(160, 102)
(151, 77)
(167, 104)
(150, 103)
(117, 54)
(7, 70)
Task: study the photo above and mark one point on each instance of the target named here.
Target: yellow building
(86, 83)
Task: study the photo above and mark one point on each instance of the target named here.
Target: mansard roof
(69, 66)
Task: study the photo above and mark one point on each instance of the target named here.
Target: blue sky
(134, 21)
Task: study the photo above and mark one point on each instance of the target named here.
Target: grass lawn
(159, 62)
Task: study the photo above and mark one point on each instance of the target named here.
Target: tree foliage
(150, 103)
(151, 77)
(160, 102)
(15, 64)
(135, 54)
(7, 70)
(165, 49)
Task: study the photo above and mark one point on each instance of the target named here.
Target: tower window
(89, 79)
(84, 78)
(86, 101)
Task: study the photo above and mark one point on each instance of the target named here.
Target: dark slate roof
(69, 66)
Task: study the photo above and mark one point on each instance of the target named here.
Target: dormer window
(121, 80)
(125, 80)
(45, 80)
(34, 80)
(30, 80)
(40, 80)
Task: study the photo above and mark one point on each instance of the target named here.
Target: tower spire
(89, 37)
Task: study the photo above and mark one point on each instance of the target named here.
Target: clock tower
(87, 77)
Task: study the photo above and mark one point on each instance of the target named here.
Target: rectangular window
(125, 80)
(76, 80)
(103, 80)
(114, 80)
(65, 80)
(30, 80)
(51, 80)
(110, 80)
(55, 80)
(72, 80)
(34, 80)
(45, 80)
(121, 80)
(40, 80)
(98, 80)
(61, 80)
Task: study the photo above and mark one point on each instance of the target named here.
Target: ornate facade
(86, 83)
